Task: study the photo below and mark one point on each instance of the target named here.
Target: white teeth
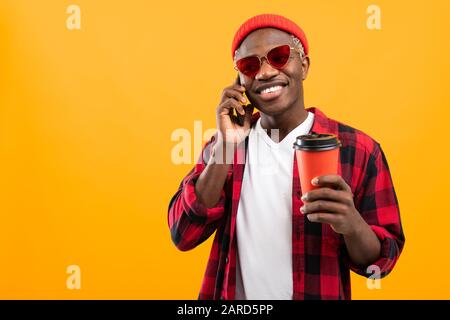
(271, 89)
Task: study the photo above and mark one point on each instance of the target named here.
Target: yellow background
(86, 118)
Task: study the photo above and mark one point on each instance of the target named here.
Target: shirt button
(222, 298)
(226, 260)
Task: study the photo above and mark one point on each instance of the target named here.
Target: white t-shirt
(264, 218)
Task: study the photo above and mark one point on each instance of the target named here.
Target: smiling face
(287, 87)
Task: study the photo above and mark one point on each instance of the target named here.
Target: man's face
(258, 43)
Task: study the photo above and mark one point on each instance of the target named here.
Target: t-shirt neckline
(290, 137)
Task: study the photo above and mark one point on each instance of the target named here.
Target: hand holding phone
(234, 127)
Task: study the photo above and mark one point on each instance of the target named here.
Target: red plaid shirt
(321, 264)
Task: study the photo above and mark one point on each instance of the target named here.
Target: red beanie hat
(268, 21)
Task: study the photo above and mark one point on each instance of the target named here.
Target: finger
(333, 180)
(238, 87)
(227, 107)
(246, 99)
(325, 193)
(237, 106)
(323, 206)
(322, 217)
(231, 93)
(231, 103)
(246, 120)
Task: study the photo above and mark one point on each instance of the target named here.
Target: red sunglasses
(277, 57)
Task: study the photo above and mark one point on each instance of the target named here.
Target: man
(271, 242)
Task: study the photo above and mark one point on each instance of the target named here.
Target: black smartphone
(240, 118)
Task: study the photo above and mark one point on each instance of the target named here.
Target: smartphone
(240, 118)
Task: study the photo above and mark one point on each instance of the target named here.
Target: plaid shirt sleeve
(377, 203)
(190, 222)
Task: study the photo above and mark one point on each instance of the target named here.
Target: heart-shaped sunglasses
(277, 57)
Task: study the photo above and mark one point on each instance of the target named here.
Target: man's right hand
(228, 127)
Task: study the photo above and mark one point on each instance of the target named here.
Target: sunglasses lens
(279, 56)
(248, 66)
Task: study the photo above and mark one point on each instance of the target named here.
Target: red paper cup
(317, 155)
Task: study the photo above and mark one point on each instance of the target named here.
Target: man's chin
(273, 109)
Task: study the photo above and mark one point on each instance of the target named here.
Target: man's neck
(285, 122)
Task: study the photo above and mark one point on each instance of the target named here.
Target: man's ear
(305, 67)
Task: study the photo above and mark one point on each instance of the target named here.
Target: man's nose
(266, 71)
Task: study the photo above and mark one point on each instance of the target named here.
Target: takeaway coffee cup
(317, 155)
